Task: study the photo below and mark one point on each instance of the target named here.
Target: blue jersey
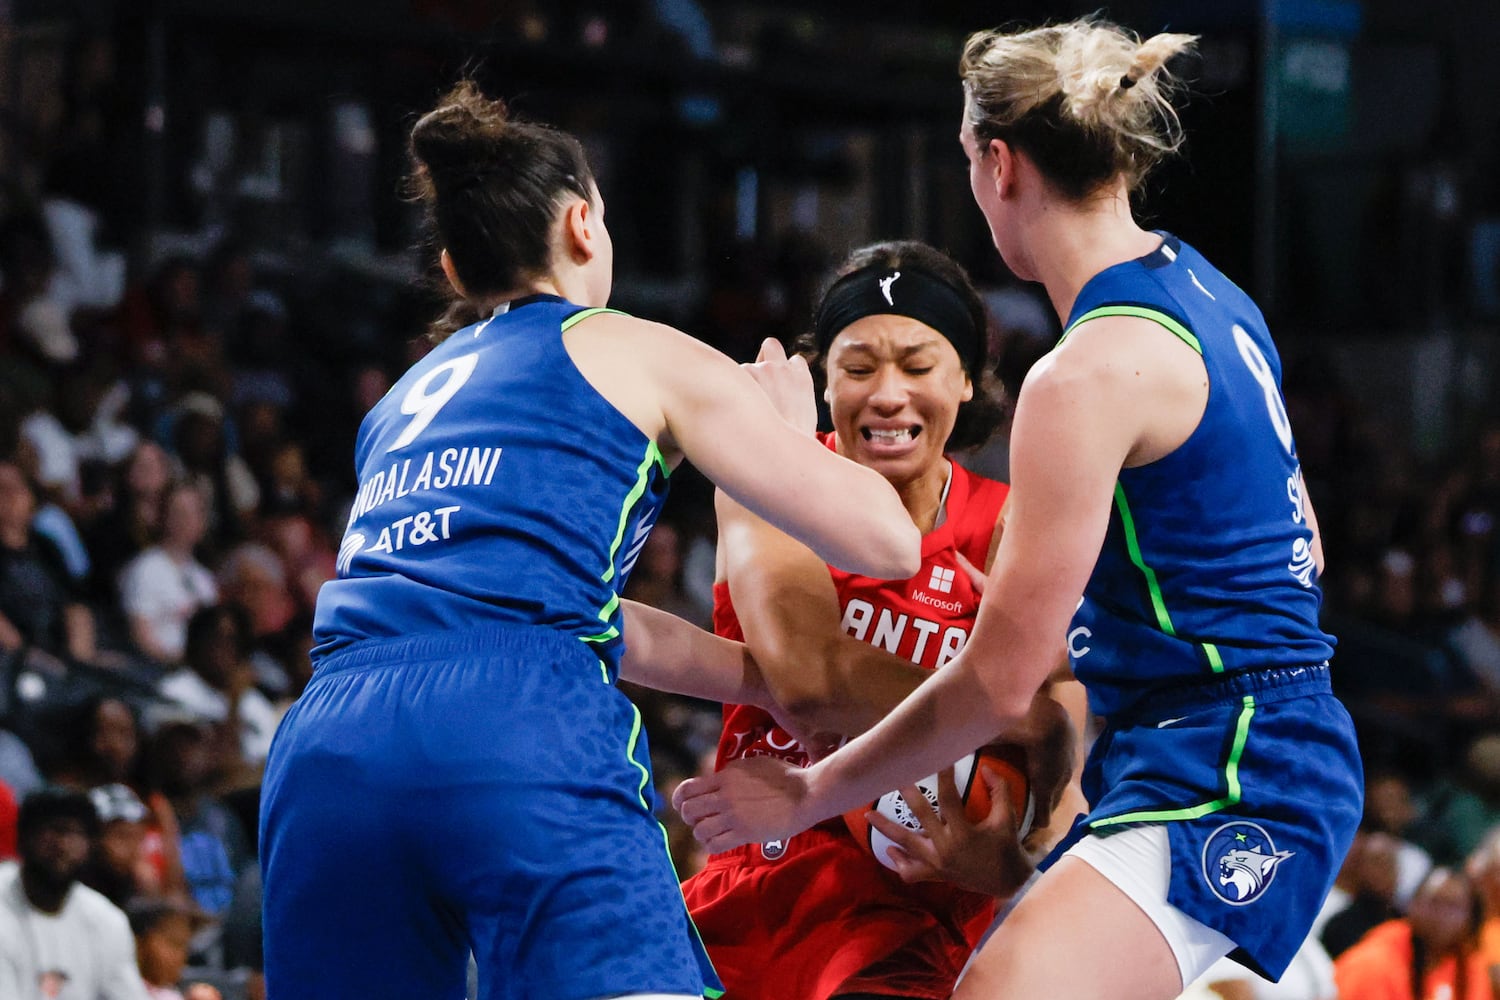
(496, 486)
(1207, 567)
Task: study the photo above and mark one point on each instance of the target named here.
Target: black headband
(902, 291)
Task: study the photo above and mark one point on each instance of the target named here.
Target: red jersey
(817, 916)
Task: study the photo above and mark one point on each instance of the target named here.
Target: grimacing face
(894, 388)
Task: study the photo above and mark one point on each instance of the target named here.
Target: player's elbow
(803, 709)
(892, 552)
(1010, 706)
(1011, 714)
(796, 679)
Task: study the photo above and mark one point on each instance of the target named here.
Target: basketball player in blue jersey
(1158, 519)
(462, 775)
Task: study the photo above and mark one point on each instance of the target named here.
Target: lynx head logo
(1239, 862)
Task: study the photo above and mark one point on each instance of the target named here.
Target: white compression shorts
(1138, 862)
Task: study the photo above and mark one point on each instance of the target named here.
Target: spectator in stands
(100, 744)
(1484, 869)
(162, 587)
(1476, 640)
(305, 551)
(103, 747)
(1430, 954)
(1461, 804)
(118, 867)
(164, 932)
(254, 577)
(217, 685)
(1391, 808)
(213, 845)
(288, 484)
(1367, 882)
(10, 815)
(164, 316)
(134, 521)
(54, 932)
(228, 486)
(41, 610)
(18, 765)
(228, 291)
(27, 263)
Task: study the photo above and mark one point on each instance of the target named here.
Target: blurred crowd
(176, 435)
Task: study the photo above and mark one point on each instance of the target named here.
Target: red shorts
(822, 918)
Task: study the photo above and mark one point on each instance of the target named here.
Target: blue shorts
(1258, 780)
(437, 794)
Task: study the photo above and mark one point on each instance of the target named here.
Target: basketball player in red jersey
(902, 334)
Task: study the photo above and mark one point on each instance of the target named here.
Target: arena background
(201, 216)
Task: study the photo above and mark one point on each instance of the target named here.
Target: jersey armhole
(1170, 322)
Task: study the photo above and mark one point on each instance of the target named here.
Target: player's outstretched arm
(664, 652)
(696, 402)
(727, 426)
(821, 679)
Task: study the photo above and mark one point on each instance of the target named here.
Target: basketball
(1005, 760)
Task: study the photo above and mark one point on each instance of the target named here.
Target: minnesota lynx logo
(1239, 862)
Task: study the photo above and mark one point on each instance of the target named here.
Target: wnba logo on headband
(871, 291)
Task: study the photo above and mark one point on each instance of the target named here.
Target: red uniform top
(817, 916)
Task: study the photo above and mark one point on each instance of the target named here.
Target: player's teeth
(891, 437)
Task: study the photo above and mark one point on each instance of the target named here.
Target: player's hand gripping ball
(1004, 760)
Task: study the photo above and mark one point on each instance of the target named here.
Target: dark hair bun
(462, 135)
(492, 185)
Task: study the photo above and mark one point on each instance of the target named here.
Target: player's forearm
(944, 718)
(855, 686)
(985, 692)
(664, 652)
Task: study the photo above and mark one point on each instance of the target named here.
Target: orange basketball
(1006, 760)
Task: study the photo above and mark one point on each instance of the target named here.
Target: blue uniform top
(1207, 567)
(495, 486)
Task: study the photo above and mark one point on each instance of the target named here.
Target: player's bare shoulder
(1142, 375)
(622, 357)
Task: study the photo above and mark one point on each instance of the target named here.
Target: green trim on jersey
(642, 474)
(642, 477)
(1139, 312)
(666, 840)
(1158, 601)
(635, 738)
(1232, 790)
(584, 314)
(1133, 545)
